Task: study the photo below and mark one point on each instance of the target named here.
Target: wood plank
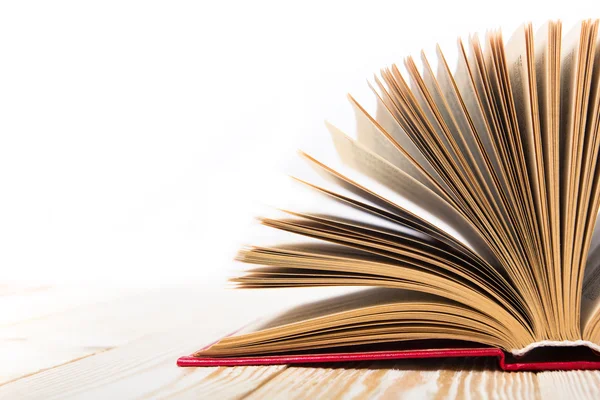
(218, 383)
(406, 379)
(127, 347)
(40, 343)
(142, 369)
(570, 384)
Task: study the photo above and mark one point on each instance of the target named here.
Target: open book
(503, 153)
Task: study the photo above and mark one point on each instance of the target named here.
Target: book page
(521, 75)
(547, 69)
(568, 84)
(447, 96)
(383, 211)
(586, 222)
(520, 60)
(445, 91)
(467, 78)
(590, 302)
(577, 76)
(403, 184)
(372, 135)
(384, 117)
(365, 317)
(400, 247)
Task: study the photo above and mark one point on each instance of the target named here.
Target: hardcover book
(467, 208)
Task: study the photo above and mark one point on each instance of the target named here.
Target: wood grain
(126, 346)
(67, 333)
(143, 369)
(62, 330)
(570, 384)
(436, 379)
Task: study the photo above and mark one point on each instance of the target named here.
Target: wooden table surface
(98, 343)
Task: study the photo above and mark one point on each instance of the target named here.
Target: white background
(137, 139)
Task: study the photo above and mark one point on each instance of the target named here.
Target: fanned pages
(467, 205)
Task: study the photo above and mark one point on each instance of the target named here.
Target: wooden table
(99, 343)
